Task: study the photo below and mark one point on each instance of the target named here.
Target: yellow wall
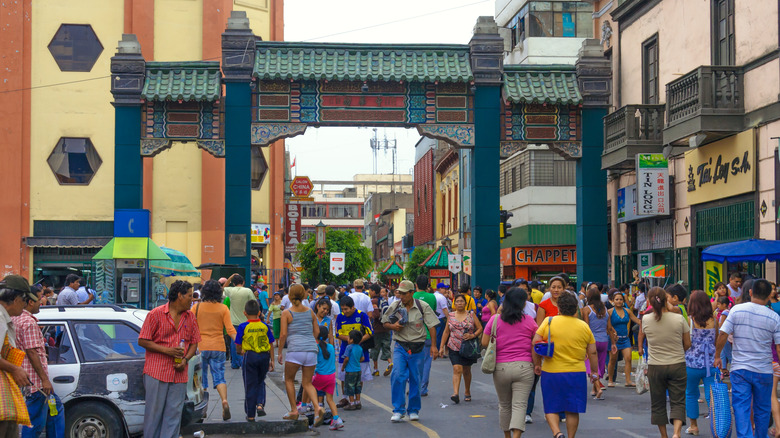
(176, 208)
(80, 109)
(259, 18)
(261, 199)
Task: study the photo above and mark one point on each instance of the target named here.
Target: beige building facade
(696, 82)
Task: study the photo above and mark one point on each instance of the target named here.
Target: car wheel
(92, 420)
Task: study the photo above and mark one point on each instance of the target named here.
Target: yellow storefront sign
(713, 274)
(721, 169)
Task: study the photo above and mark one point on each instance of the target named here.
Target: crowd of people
(567, 342)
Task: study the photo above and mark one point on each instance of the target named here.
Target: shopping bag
(489, 353)
(720, 408)
(13, 406)
(642, 383)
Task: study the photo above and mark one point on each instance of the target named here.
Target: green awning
(186, 81)
(553, 84)
(393, 269)
(179, 265)
(131, 248)
(362, 62)
(438, 259)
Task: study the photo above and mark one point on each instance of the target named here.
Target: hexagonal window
(75, 47)
(74, 161)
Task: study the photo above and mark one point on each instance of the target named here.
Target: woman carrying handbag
(461, 338)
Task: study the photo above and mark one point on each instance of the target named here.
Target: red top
(29, 337)
(158, 328)
(550, 309)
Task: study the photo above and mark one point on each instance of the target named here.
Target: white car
(96, 367)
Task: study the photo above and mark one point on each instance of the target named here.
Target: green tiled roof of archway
(552, 84)
(186, 81)
(362, 62)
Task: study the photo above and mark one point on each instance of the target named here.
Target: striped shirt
(159, 328)
(754, 328)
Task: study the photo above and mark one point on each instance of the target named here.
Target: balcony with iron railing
(631, 130)
(707, 101)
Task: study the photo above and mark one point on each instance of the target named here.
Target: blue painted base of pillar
(592, 251)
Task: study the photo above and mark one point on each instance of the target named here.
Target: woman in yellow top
(564, 379)
(213, 317)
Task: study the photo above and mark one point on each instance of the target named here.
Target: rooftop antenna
(385, 145)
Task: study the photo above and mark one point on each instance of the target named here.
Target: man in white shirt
(362, 301)
(734, 286)
(755, 329)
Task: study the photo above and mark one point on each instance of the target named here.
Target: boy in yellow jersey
(253, 341)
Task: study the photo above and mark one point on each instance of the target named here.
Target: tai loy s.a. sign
(652, 185)
(292, 227)
(721, 169)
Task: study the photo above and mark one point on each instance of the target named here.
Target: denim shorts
(216, 361)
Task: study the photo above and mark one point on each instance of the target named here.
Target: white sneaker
(528, 419)
(414, 416)
(396, 418)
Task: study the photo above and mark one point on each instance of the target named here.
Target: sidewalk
(276, 407)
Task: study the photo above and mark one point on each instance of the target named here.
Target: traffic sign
(301, 186)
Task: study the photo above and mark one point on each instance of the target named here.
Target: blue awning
(752, 250)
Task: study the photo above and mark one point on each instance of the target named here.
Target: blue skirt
(564, 392)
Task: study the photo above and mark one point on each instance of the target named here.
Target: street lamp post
(320, 243)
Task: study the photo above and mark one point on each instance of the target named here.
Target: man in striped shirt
(755, 328)
(164, 331)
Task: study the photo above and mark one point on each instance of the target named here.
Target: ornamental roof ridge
(182, 81)
(173, 65)
(360, 46)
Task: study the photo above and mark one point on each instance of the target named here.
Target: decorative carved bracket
(263, 134)
(153, 146)
(509, 148)
(461, 136)
(568, 149)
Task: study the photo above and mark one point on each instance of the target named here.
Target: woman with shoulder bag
(514, 371)
(461, 338)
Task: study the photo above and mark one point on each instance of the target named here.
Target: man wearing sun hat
(14, 293)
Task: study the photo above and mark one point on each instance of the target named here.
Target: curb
(275, 427)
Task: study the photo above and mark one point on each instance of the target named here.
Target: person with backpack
(411, 320)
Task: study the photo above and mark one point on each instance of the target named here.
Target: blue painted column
(592, 251)
(128, 164)
(486, 52)
(128, 69)
(484, 171)
(594, 75)
(238, 168)
(238, 59)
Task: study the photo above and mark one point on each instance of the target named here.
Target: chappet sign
(545, 255)
(722, 169)
(652, 185)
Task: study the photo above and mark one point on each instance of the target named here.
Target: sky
(340, 153)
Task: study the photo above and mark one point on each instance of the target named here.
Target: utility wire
(57, 84)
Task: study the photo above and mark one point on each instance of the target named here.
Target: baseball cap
(17, 282)
(406, 286)
(321, 289)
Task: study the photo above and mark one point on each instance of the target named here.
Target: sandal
(630, 385)
(611, 385)
(251, 420)
(260, 411)
(559, 435)
(290, 416)
(467, 398)
(455, 398)
(320, 418)
(692, 431)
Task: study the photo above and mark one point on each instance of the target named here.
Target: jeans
(216, 361)
(751, 389)
(725, 355)
(406, 368)
(695, 375)
(425, 366)
(440, 329)
(254, 371)
(38, 407)
(235, 359)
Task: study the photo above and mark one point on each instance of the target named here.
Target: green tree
(357, 262)
(413, 268)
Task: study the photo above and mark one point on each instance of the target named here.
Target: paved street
(622, 414)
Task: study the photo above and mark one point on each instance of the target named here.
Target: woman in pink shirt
(514, 375)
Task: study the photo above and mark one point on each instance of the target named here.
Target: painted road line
(629, 433)
(614, 418)
(428, 431)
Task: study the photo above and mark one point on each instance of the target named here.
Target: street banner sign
(337, 263)
(292, 226)
(455, 262)
(652, 185)
(301, 187)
